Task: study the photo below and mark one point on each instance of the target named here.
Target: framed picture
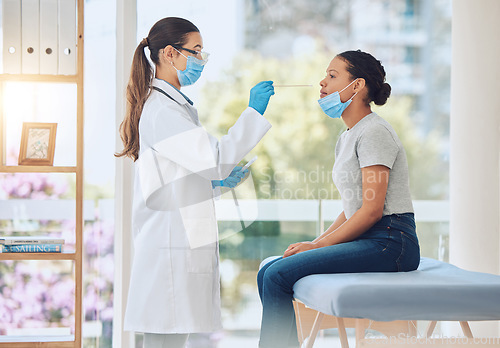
(38, 142)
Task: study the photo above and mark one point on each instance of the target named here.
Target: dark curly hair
(363, 65)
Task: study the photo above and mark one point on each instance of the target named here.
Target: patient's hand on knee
(299, 247)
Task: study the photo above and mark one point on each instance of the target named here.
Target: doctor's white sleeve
(178, 139)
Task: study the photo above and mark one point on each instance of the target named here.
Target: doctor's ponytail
(137, 93)
(167, 31)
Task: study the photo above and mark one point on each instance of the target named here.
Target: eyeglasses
(198, 54)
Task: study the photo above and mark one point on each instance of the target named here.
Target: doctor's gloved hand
(260, 94)
(232, 180)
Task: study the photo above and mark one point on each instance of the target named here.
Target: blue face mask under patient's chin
(332, 106)
(192, 73)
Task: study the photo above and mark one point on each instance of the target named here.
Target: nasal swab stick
(292, 85)
(234, 193)
(239, 209)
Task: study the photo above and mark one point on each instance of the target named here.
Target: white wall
(126, 31)
(474, 133)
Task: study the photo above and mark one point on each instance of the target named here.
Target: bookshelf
(37, 169)
(75, 256)
(64, 256)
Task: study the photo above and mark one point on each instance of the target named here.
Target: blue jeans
(391, 245)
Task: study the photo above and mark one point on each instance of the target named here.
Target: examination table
(391, 303)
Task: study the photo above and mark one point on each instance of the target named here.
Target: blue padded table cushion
(435, 291)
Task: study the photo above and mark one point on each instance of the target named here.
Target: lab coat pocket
(201, 260)
(200, 224)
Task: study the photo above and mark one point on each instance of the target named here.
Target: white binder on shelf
(30, 36)
(67, 37)
(48, 37)
(11, 22)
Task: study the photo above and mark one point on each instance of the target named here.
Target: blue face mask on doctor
(332, 105)
(194, 67)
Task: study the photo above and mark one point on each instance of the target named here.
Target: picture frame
(38, 142)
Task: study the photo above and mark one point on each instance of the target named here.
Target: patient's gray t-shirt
(371, 141)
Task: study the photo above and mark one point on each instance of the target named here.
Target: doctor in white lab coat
(174, 288)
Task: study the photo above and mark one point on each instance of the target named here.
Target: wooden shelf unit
(37, 169)
(73, 341)
(39, 78)
(71, 256)
(41, 342)
(37, 344)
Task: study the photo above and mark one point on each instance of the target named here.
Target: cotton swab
(292, 85)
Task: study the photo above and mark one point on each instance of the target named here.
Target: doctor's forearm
(240, 139)
(358, 224)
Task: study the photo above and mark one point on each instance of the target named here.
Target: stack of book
(31, 244)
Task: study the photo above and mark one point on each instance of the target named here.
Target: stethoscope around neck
(164, 93)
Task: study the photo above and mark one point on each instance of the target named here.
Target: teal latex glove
(260, 95)
(232, 180)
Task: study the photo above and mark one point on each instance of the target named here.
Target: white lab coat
(175, 285)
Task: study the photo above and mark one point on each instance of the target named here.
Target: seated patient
(375, 232)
